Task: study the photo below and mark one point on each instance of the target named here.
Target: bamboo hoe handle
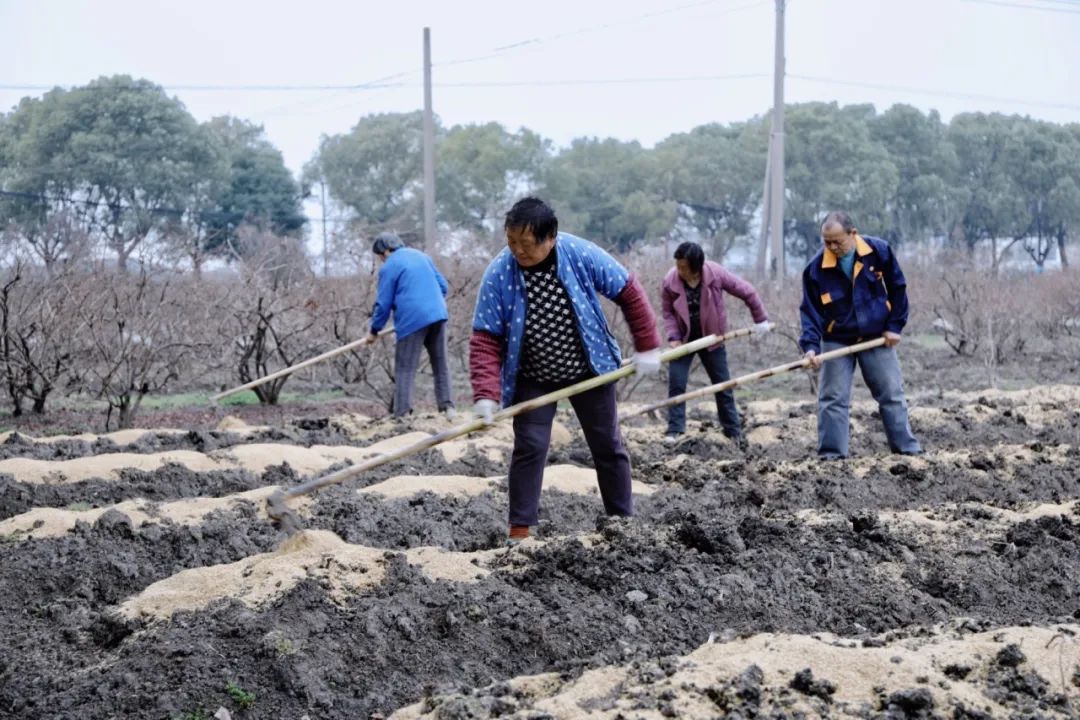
(760, 375)
(475, 425)
(298, 366)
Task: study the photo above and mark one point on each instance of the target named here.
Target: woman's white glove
(485, 410)
(647, 362)
(761, 328)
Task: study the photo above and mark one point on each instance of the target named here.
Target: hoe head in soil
(277, 507)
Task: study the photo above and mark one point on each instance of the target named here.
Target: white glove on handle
(761, 328)
(647, 362)
(485, 410)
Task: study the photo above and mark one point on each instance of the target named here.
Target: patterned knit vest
(552, 351)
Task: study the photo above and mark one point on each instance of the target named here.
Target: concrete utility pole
(776, 146)
(429, 149)
(763, 243)
(325, 235)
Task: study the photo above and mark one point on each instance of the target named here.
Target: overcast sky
(685, 62)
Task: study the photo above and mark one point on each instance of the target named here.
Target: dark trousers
(407, 358)
(715, 362)
(596, 411)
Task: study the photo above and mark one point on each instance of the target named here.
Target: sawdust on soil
(344, 568)
(564, 478)
(861, 675)
(54, 522)
(130, 436)
(255, 457)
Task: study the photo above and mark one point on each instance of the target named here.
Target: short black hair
(533, 214)
(692, 253)
(386, 241)
(841, 218)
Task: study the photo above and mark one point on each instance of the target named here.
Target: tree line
(118, 166)
(980, 181)
(94, 177)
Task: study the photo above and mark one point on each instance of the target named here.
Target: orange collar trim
(828, 257)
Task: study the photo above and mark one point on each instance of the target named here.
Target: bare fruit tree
(38, 327)
(137, 339)
(274, 313)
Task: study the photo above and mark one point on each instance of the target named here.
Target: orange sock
(519, 531)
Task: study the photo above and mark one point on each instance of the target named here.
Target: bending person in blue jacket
(415, 291)
(854, 290)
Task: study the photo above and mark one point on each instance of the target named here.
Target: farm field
(141, 577)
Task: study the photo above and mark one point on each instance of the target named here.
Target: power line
(41, 198)
(216, 88)
(383, 82)
(1067, 10)
(935, 93)
(600, 81)
(480, 85)
(532, 42)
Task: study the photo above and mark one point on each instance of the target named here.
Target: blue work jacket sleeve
(384, 298)
(443, 285)
(898, 300)
(810, 315)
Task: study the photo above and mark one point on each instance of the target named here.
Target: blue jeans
(881, 372)
(715, 362)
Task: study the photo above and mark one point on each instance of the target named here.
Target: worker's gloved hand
(815, 361)
(761, 328)
(647, 362)
(485, 410)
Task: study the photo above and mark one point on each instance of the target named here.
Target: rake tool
(277, 506)
(298, 366)
(759, 375)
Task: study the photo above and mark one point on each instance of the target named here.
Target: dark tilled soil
(1018, 689)
(300, 432)
(651, 589)
(173, 481)
(716, 549)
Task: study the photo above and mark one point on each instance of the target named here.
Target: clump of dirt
(173, 481)
(302, 433)
(169, 482)
(58, 594)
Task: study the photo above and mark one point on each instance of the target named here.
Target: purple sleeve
(743, 290)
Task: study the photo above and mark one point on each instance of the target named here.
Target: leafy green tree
(1042, 160)
(374, 171)
(39, 207)
(603, 190)
(715, 173)
(251, 187)
(1063, 214)
(121, 150)
(918, 147)
(833, 163)
(481, 169)
(990, 206)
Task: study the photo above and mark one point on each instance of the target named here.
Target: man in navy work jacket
(413, 289)
(854, 290)
(538, 327)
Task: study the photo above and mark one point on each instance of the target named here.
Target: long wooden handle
(760, 375)
(298, 366)
(455, 432)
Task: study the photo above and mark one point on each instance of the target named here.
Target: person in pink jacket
(693, 304)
